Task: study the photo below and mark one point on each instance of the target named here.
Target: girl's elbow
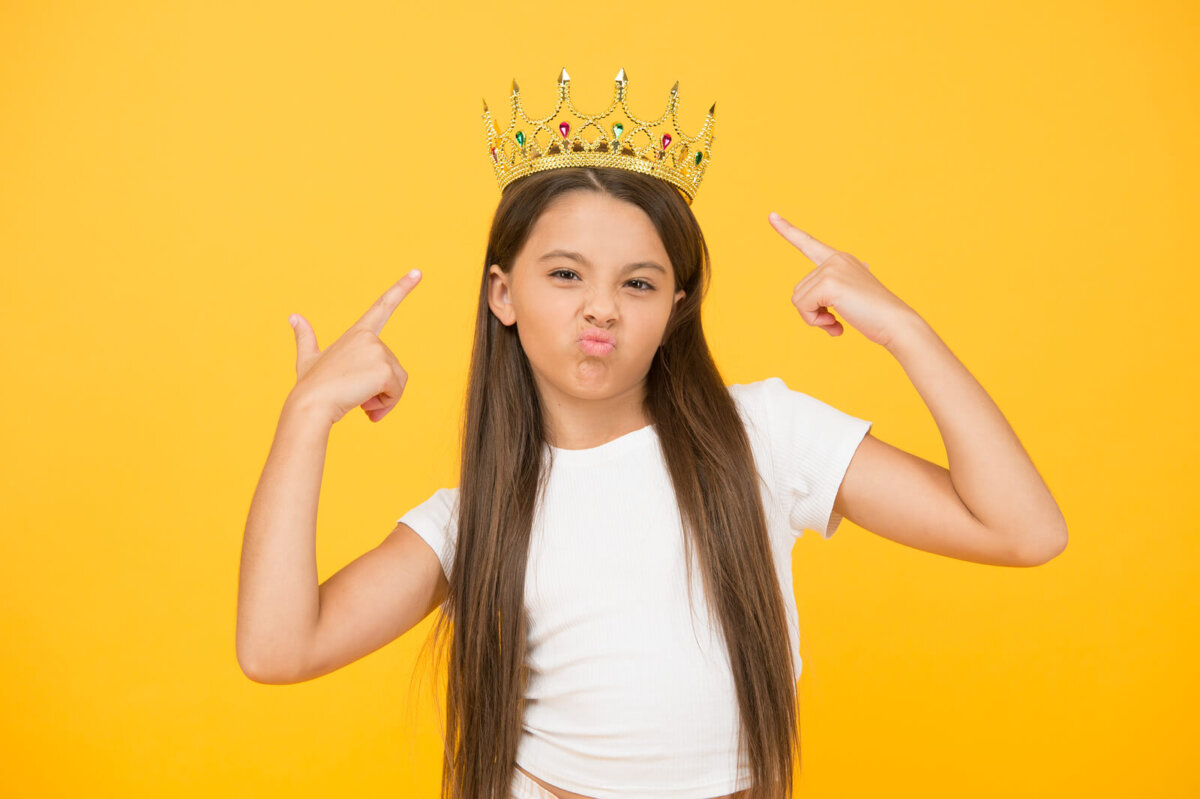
(1045, 547)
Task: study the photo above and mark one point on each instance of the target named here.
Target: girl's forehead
(594, 224)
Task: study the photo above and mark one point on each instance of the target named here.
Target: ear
(679, 295)
(499, 299)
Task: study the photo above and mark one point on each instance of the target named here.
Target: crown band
(681, 160)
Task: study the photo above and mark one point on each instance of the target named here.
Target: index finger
(379, 313)
(816, 251)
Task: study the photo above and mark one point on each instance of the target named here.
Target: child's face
(555, 299)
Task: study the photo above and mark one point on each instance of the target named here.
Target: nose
(600, 307)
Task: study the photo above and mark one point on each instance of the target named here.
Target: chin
(585, 377)
(591, 379)
(591, 384)
(597, 380)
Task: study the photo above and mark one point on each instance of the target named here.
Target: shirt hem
(674, 791)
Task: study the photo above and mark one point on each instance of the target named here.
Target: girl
(614, 568)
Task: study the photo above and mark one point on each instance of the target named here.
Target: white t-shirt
(630, 691)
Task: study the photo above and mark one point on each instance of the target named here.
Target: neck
(582, 423)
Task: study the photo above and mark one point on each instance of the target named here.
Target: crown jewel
(624, 141)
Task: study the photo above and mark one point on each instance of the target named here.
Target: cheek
(651, 320)
(545, 321)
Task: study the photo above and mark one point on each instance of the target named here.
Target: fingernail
(292, 320)
(415, 273)
(775, 217)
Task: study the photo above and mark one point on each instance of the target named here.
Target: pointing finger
(379, 313)
(816, 251)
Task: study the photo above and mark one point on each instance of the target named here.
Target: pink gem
(564, 128)
(666, 140)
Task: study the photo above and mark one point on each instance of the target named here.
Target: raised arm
(990, 505)
(289, 628)
(278, 594)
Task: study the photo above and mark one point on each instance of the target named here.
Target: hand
(358, 368)
(842, 281)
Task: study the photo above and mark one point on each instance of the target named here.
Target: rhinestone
(564, 128)
(618, 128)
(699, 155)
(521, 138)
(666, 140)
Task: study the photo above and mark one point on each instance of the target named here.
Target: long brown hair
(708, 455)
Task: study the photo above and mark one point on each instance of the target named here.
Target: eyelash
(649, 286)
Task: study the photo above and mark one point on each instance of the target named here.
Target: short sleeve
(436, 521)
(810, 446)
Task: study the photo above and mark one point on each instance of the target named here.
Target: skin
(991, 505)
(588, 399)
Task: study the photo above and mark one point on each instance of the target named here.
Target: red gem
(666, 140)
(493, 153)
(564, 128)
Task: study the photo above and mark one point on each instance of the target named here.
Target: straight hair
(707, 452)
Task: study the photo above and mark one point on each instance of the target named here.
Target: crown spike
(635, 144)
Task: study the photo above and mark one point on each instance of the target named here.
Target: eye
(567, 274)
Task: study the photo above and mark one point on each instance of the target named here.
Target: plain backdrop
(177, 178)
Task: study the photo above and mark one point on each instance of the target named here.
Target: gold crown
(529, 145)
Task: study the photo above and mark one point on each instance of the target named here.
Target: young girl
(614, 567)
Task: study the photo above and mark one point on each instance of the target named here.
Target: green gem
(699, 155)
(618, 129)
(521, 138)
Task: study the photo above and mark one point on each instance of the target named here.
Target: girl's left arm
(989, 468)
(991, 505)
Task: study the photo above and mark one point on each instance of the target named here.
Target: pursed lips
(598, 335)
(597, 342)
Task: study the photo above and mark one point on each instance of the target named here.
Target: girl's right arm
(278, 595)
(290, 628)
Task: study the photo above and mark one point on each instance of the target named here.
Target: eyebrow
(574, 256)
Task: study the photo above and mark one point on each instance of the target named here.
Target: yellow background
(177, 178)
